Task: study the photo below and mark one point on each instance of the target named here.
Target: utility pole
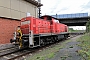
(39, 9)
(39, 13)
(56, 15)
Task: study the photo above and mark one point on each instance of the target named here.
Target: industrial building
(11, 11)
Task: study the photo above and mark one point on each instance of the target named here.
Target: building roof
(36, 3)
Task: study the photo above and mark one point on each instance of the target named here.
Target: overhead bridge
(80, 21)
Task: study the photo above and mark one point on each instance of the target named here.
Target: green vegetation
(71, 47)
(85, 45)
(48, 53)
(72, 31)
(88, 26)
(63, 57)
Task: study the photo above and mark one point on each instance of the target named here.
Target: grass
(85, 45)
(73, 31)
(49, 52)
(71, 47)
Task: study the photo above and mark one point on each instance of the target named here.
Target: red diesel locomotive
(35, 32)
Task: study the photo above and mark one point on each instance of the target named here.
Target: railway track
(77, 33)
(6, 49)
(16, 53)
(10, 54)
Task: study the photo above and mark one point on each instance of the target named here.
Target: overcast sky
(51, 7)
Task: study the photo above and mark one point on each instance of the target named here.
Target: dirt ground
(69, 52)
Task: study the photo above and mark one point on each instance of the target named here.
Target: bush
(88, 26)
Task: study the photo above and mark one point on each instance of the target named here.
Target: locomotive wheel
(52, 40)
(55, 38)
(41, 42)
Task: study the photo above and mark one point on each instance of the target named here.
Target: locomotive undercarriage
(39, 40)
(31, 41)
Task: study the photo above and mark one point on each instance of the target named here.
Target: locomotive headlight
(25, 22)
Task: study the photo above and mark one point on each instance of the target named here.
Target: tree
(88, 26)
